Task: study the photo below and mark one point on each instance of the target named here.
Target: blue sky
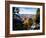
(26, 10)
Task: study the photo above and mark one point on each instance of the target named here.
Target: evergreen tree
(38, 16)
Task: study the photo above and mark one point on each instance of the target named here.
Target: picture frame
(9, 8)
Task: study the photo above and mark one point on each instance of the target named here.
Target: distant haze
(27, 15)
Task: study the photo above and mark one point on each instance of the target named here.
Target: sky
(24, 10)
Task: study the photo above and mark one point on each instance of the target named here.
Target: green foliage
(38, 11)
